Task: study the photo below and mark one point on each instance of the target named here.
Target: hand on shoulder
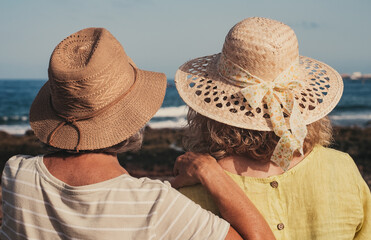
(191, 168)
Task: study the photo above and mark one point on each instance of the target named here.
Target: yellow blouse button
(280, 226)
(274, 184)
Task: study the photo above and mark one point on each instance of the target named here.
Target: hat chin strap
(71, 120)
(273, 93)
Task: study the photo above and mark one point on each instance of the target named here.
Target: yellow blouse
(322, 197)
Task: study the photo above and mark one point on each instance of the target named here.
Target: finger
(175, 170)
(176, 166)
(175, 182)
(181, 181)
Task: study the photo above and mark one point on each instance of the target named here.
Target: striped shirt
(36, 205)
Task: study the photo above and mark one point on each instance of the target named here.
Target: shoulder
(147, 183)
(181, 218)
(334, 159)
(337, 166)
(18, 169)
(198, 194)
(175, 213)
(19, 161)
(19, 158)
(145, 189)
(331, 153)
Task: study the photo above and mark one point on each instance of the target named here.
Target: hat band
(72, 119)
(276, 93)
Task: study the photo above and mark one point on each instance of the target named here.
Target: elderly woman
(260, 109)
(94, 106)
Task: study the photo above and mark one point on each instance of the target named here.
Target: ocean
(16, 96)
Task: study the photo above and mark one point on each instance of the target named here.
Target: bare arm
(232, 202)
(232, 234)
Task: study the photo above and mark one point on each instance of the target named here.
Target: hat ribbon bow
(278, 95)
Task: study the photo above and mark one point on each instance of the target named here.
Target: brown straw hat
(263, 49)
(95, 96)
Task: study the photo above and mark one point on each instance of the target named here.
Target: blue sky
(160, 35)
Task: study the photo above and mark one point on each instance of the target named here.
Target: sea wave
(174, 112)
(11, 120)
(15, 129)
(170, 117)
(177, 123)
(351, 117)
(175, 117)
(354, 107)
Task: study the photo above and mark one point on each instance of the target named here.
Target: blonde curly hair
(204, 135)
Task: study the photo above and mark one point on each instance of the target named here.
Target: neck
(83, 169)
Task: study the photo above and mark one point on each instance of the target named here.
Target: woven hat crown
(87, 71)
(263, 47)
(95, 97)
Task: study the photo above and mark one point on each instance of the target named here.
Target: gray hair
(133, 143)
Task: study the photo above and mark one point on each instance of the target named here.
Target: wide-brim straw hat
(95, 96)
(262, 49)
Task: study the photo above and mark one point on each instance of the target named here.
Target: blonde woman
(261, 110)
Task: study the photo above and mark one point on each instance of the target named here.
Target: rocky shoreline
(162, 146)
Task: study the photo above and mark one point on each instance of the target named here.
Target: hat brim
(113, 126)
(204, 90)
